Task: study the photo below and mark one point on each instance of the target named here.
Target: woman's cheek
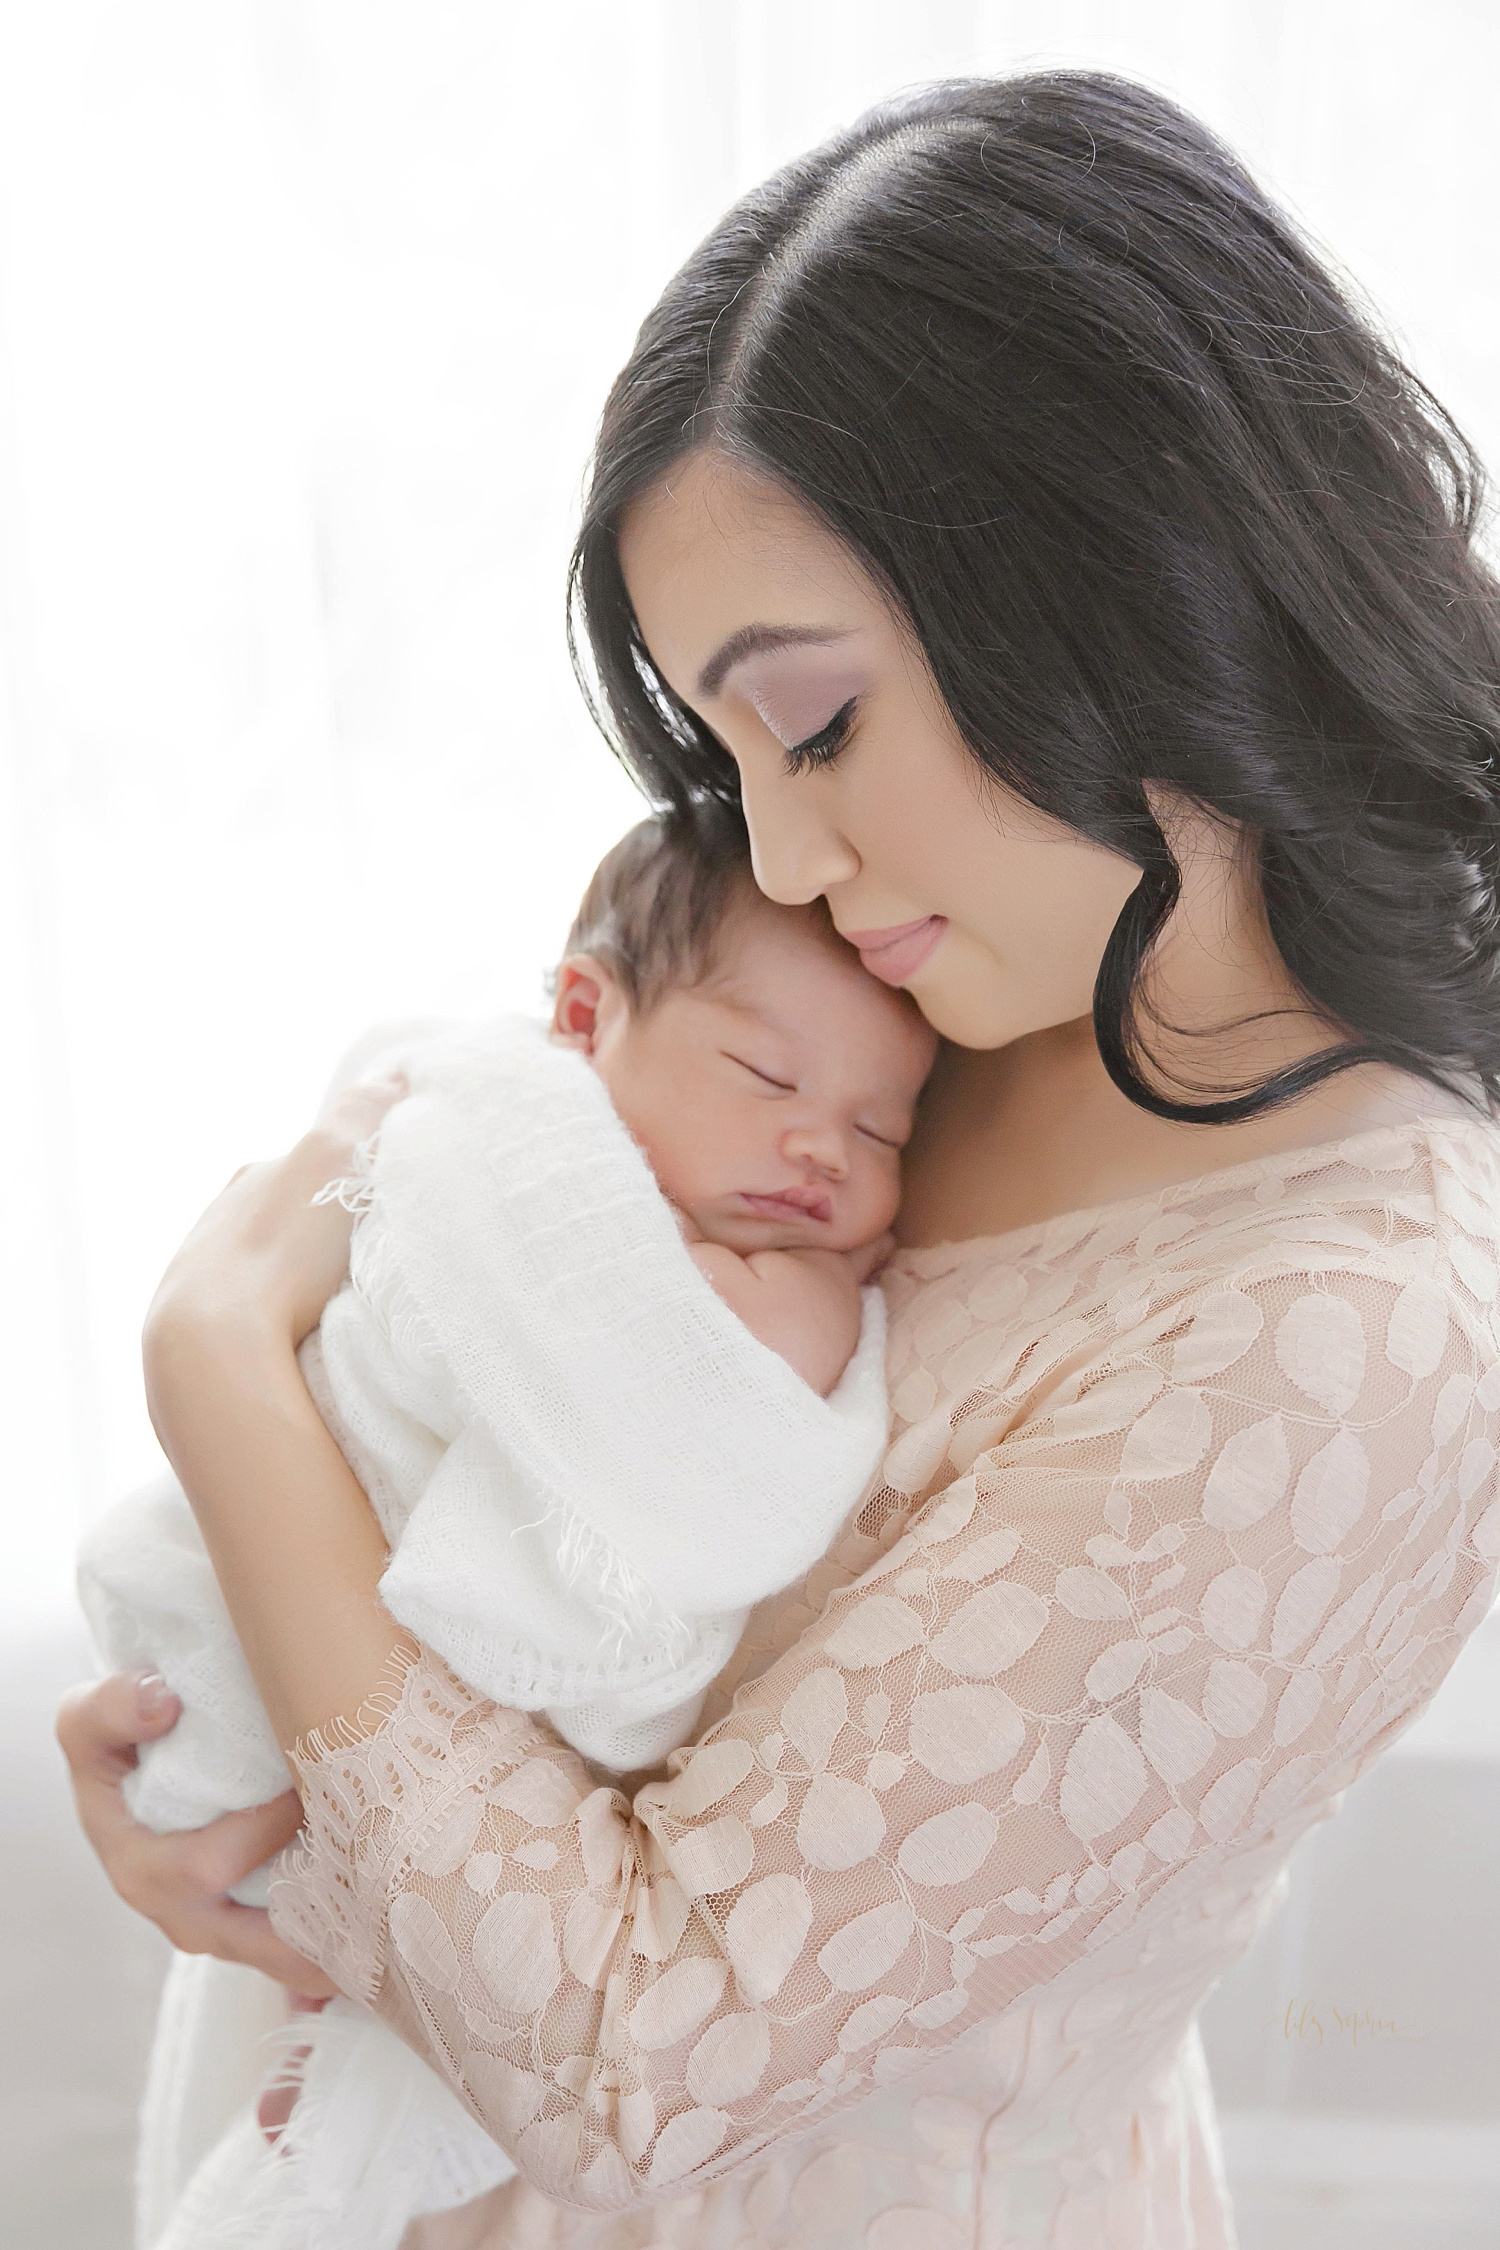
(970, 997)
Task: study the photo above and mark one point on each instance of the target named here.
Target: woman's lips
(791, 1203)
(895, 954)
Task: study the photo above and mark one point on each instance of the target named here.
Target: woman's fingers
(268, 1248)
(188, 1872)
(99, 1725)
(100, 1722)
(229, 1847)
(177, 1881)
(231, 1932)
(355, 1111)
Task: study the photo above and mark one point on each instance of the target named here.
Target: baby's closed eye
(766, 1077)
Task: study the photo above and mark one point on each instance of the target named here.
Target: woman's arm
(292, 1533)
(293, 1541)
(1140, 1623)
(1166, 1605)
(294, 1544)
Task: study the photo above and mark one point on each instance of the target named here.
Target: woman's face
(855, 780)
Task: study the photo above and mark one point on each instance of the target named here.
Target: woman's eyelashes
(822, 748)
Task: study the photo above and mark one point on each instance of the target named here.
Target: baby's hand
(802, 1304)
(688, 1228)
(866, 1263)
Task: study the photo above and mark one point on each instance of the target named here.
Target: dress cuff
(376, 1790)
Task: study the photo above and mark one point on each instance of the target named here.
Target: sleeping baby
(609, 1365)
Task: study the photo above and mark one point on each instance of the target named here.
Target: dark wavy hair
(1157, 503)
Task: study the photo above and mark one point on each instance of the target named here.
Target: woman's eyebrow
(752, 640)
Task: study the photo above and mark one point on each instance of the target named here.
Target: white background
(307, 308)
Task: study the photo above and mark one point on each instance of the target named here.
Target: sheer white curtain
(306, 311)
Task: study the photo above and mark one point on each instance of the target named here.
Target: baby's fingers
(867, 1262)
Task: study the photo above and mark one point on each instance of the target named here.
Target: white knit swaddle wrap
(588, 1471)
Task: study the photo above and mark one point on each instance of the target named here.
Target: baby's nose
(821, 1144)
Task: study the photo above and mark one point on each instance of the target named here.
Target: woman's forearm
(293, 1542)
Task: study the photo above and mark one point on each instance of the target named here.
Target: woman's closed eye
(822, 748)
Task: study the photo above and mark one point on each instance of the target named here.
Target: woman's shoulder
(1414, 1204)
(1443, 1171)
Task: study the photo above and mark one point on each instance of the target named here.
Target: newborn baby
(768, 1077)
(613, 1468)
(610, 1371)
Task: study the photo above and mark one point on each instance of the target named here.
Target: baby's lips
(810, 1203)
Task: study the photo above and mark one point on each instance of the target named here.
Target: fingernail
(152, 1695)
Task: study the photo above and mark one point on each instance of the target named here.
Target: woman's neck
(1018, 1134)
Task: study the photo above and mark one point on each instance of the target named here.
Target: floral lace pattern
(1189, 1506)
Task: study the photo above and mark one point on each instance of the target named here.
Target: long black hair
(1158, 505)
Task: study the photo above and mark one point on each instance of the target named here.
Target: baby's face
(772, 1100)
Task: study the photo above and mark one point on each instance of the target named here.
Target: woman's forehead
(709, 551)
(704, 499)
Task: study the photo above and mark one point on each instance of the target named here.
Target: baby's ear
(582, 982)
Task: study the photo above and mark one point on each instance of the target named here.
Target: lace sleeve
(1153, 1598)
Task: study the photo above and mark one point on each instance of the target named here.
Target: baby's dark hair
(658, 900)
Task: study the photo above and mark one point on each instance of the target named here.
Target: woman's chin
(969, 1011)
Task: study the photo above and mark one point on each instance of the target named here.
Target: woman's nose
(822, 1145)
(796, 855)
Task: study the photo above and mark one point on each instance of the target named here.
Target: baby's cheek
(676, 1141)
(878, 1203)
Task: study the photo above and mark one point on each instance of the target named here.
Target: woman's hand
(264, 1257)
(178, 1882)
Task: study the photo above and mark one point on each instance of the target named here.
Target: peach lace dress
(1189, 1507)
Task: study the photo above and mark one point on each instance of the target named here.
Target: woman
(1005, 508)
